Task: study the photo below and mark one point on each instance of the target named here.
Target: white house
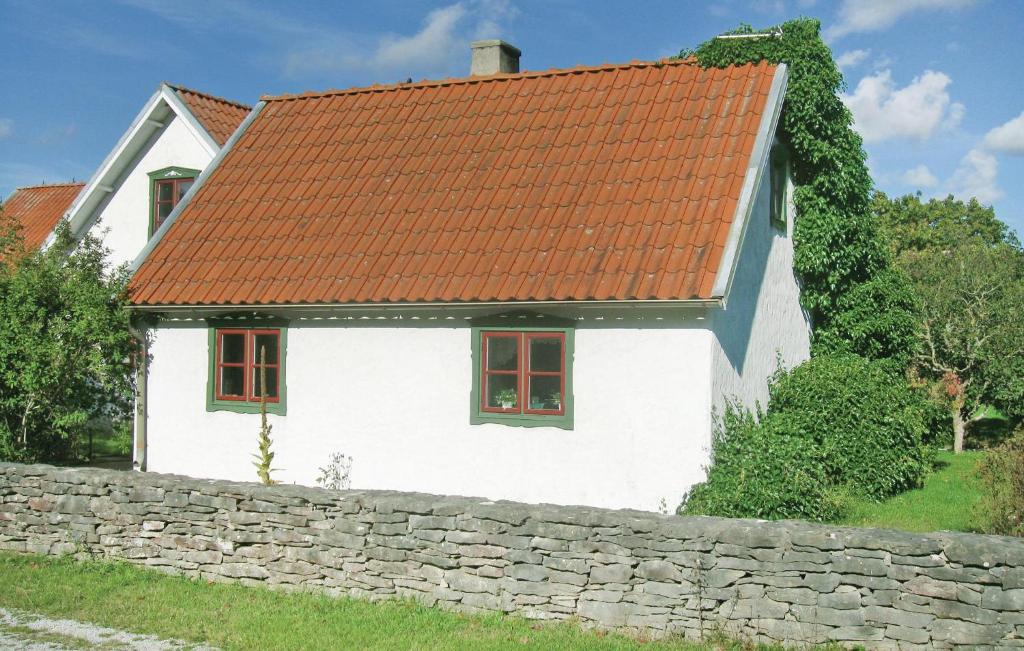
(174, 137)
(535, 286)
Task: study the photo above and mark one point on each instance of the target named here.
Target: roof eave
(751, 182)
(701, 303)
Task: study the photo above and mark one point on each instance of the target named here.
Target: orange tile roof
(38, 208)
(602, 183)
(220, 117)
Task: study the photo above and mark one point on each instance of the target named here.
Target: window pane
(162, 211)
(232, 381)
(165, 191)
(183, 187)
(546, 354)
(232, 348)
(266, 343)
(271, 382)
(545, 392)
(501, 391)
(502, 353)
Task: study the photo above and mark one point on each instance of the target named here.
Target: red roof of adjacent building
(220, 117)
(592, 183)
(38, 208)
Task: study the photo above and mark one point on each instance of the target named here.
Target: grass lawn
(948, 500)
(236, 617)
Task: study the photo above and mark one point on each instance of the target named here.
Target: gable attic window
(237, 352)
(779, 170)
(166, 188)
(522, 372)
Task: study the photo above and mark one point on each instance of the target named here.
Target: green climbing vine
(841, 258)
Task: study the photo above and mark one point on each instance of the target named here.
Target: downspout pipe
(141, 377)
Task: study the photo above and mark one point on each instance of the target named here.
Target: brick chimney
(493, 56)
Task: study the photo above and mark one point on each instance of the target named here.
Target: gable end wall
(763, 323)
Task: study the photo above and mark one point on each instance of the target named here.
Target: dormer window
(779, 170)
(168, 186)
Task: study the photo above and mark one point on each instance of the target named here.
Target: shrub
(760, 469)
(867, 423)
(835, 427)
(65, 349)
(1002, 472)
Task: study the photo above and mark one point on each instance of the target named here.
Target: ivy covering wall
(841, 259)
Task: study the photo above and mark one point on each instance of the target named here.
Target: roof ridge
(216, 98)
(59, 184)
(501, 76)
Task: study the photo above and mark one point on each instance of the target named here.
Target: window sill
(522, 420)
(240, 407)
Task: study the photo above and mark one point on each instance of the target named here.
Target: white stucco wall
(396, 399)
(124, 216)
(762, 324)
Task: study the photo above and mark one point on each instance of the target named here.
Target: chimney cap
(497, 42)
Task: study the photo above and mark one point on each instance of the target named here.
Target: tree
(912, 225)
(971, 332)
(65, 347)
(966, 267)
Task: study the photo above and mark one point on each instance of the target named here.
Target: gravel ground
(30, 632)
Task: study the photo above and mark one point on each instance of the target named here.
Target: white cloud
(302, 46)
(851, 58)
(920, 177)
(975, 176)
(1007, 138)
(6, 127)
(431, 48)
(882, 111)
(874, 15)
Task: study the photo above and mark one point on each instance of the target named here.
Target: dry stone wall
(791, 582)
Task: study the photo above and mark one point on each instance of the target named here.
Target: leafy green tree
(966, 267)
(839, 251)
(65, 347)
(972, 330)
(943, 224)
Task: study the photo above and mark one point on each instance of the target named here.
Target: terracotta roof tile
(38, 208)
(610, 182)
(220, 117)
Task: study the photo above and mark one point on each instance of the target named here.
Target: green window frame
(244, 398)
(176, 181)
(538, 389)
(779, 177)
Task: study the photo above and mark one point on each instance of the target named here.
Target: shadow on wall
(734, 325)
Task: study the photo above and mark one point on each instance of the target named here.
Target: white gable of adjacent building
(116, 203)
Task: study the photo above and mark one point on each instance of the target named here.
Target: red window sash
(250, 365)
(530, 373)
(256, 366)
(487, 336)
(522, 373)
(176, 195)
(220, 364)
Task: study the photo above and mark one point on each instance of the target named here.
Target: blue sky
(936, 85)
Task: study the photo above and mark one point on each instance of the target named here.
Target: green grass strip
(949, 500)
(139, 600)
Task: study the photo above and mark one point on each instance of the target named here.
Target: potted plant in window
(506, 398)
(554, 401)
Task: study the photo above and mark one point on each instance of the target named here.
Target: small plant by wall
(264, 459)
(336, 474)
